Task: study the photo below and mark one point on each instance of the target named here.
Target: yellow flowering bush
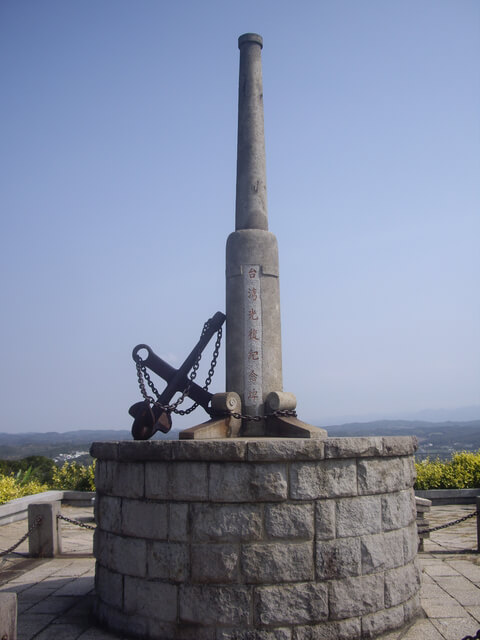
(462, 471)
(11, 488)
(74, 476)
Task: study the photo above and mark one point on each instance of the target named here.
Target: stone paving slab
(55, 595)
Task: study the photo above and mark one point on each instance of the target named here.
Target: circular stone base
(256, 539)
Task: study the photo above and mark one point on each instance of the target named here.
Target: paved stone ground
(55, 595)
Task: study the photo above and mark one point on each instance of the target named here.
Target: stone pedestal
(256, 539)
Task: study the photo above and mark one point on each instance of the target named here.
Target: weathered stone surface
(244, 482)
(143, 450)
(121, 554)
(254, 634)
(104, 450)
(353, 447)
(401, 584)
(189, 481)
(338, 558)
(382, 475)
(412, 607)
(325, 527)
(352, 597)
(215, 562)
(281, 449)
(206, 604)
(168, 561)
(358, 516)
(341, 630)
(382, 621)
(398, 509)
(289, 521)
(410, 543)
(156, 600)
(275, 562)
(299, 603)
(178, 522)
(109, 586)
(156, 481)
(120, 621)
(107, 512)
(399, 445)
(190, 632)
(381, 551)
(123, 479)
(324, 479)
(144, 519)
(221, 450)
(8, 615)
(226, 523)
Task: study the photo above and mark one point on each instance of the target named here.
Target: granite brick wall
(256, 539)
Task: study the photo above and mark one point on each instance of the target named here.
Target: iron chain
(36, 523)
(475, 637)
(449, 524)
(142, 375)
(279, 412)
(78, 523)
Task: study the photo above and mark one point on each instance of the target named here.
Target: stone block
(325, 527)
(121, 554)
(168, 561)
(178, 522)
(143, 450)
(45, 539)
(382, 621)
(144, 519)
(221, 450)
(104, 450)
(300, 603)
(289, 521)
(188, 481)
(190, 632)
(399, 445)
(324, 479)
(274, 562)
(244, 482)
(109, 586)
(252, 634)
(207, 604)
(151, 600)
(281, 449)
(381, 475)
(353, 447)
(398, 510)
(401, 584)
(352, 597)
(358, 516)
(123, 479)
(215, 562)
(156, 481)
(119, 620)
(410, 543)
(108, 512)
(381, 551)
(8, 616)
(412, 607)
(226, 523)
(341, 630)
(338, 558)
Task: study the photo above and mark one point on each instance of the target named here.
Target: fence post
(477, 504)
(44, 541)
(8, 616)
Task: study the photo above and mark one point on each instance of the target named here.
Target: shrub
(461, 472)
(12, 488)
(74, 476)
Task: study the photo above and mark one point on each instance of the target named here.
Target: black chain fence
(449, 524)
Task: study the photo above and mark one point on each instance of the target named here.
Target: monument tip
(250, 37)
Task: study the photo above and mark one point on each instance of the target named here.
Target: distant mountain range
(435, 438)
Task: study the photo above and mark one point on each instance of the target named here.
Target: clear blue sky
(118, 152)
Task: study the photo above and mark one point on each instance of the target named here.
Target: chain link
(449, 524)
(36, 523)
(78, 523)
(142, 375)
(475, 637)
(248, 418)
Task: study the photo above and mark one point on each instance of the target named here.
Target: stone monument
(275, 532)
